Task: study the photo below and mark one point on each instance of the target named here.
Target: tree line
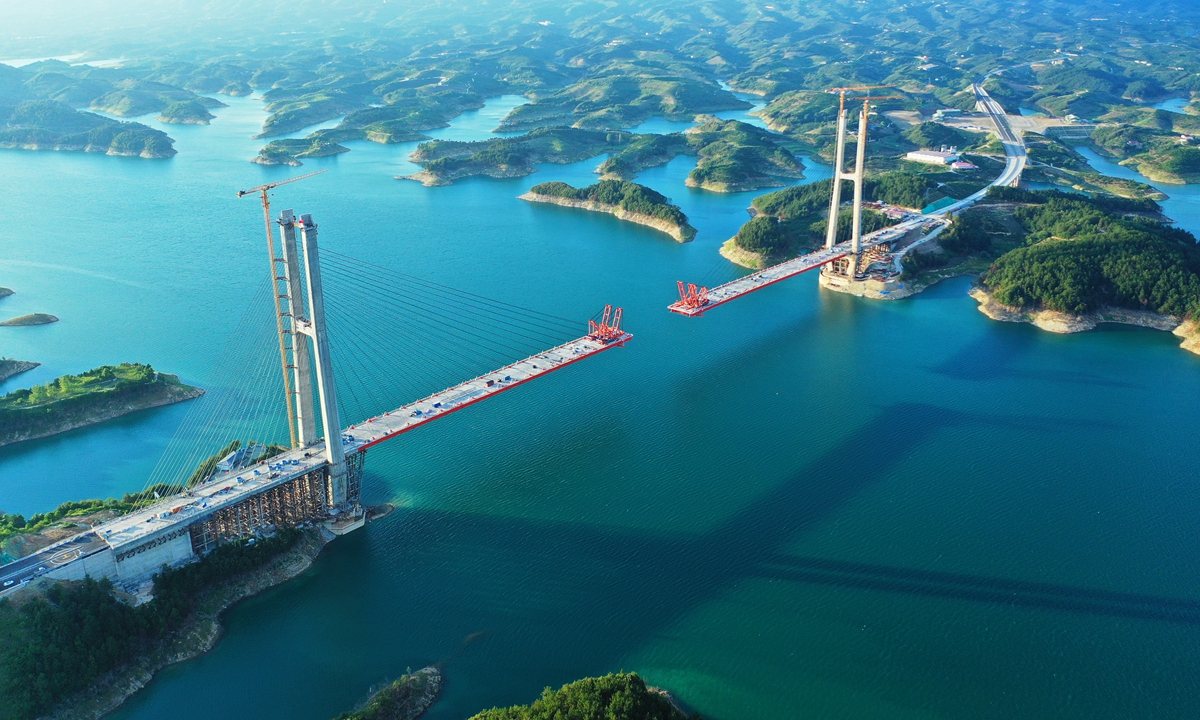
(618, 696)
(1079, 255)
(628, 196)
(59, 644)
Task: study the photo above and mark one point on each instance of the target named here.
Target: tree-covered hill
(620, 696)
(54, 125)
(1081, 254)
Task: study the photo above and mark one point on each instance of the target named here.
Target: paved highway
(1014, 149)
(48, 558)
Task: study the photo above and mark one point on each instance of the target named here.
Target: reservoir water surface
(803, 505)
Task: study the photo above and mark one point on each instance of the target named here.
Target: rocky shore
(73, 145)
(1060, 322)
(198, 634)
(10, 368)
(104, 408)
(432, 179)
(31, 319)
(681, 233)
(746, 258)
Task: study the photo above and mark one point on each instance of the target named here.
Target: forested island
(792, 221)
(1083, 261)
(54, 125)
(94, 396)
(186, 112)
(405, 699)
(618, 696)
(626, 200)
(448, 160)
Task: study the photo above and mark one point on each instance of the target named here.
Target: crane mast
(285, 332)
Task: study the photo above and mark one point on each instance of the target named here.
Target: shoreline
(197, 636)
(108, 409)
(744, 258)
(12, 368)
(1066, 323)
(680, 233)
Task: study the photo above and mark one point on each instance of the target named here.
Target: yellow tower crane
(275, 280)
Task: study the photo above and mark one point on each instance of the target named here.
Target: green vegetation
(289, 152)
(794, 219)
(30, 319)
(186, 112)
(407, 113)
(620, 696)
(76, 400)
(209, 464)
(133, 98)
(936, 135)
(1079, 255)
(13, 524)
(1056, 162)
(646, 151)
(53, 125)
(406, 699)
(448, 160)
(54, 646)
(736, 156)
(732, 156)
(620, 94)
(123, 378)
(623, 195)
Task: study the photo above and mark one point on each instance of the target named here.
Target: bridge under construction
(843, 262)
(319, 479)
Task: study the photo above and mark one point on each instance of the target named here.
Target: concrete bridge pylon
(856, 176)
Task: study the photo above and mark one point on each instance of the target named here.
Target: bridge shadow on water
(615, 589)
(994, 355)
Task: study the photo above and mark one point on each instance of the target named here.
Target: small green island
(405, 699)
(617, 696)
(54, 125)
(626, 200)
(448, 160)
(74, 401)
(30, 319)
(186, 112)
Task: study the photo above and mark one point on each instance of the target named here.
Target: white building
(933, 157)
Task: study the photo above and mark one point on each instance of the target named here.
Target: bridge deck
(790, 268)
(228, 489)
(412, 416)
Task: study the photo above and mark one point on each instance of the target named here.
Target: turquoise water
(803, 505)
(1175, 105)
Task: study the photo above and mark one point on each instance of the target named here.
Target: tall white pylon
(840, 174)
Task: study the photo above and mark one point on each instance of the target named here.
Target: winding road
(1014, 149)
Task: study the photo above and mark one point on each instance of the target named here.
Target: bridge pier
(306, 418)
(854, 259)
(315, 328)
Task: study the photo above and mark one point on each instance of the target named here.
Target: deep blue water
(803, 505)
